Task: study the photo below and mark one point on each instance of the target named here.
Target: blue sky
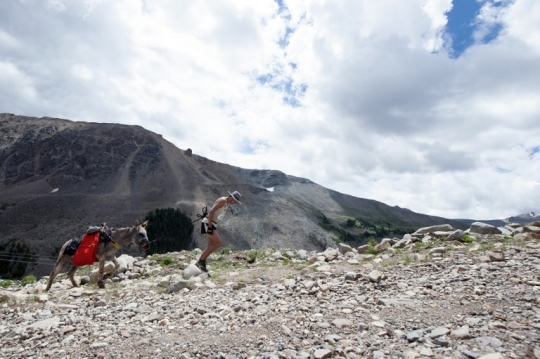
(463, 22)
(429, 105)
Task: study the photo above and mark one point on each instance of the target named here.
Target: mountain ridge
(57, 177)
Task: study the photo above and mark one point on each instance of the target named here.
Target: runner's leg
(214, 242)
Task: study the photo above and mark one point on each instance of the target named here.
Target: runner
(209, 223)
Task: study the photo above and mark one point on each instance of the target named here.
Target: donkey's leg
(61, 263)
(101, 284)
(71, 275)
(114, 271)
(116, 266)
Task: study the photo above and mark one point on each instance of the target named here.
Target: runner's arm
(220, 202)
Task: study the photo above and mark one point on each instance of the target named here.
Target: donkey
(105, 252)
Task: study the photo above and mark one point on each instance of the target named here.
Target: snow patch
(55, 190)
(270, 189)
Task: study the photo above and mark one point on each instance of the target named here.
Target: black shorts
(204, 228)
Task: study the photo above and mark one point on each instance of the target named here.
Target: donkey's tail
(63, 250)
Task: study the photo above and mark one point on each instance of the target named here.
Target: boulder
(496, 256)
(533, 229)
(402, 243)
(505, 231)
(191, 271)
(178, 286)
(456, 235)
(330, 254)
(109, 268)
(126, 263)
(362, 249)
(484, 228)
(432, 229)
(526, 236)
(382, 246)
(375, 276)
(344, 248)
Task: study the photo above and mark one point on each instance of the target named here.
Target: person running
(209, 223)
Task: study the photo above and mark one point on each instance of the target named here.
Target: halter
(105, 236)
(142, 236)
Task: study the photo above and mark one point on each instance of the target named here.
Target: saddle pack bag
(72, 246)
(87, 251)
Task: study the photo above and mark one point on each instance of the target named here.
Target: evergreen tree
(15, 256)
(169, 230)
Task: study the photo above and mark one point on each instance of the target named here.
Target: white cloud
(56, 5)
(521, 25)
(436, 11)
(82, 72)
(18, 87)
(358, 96)
(7, 41)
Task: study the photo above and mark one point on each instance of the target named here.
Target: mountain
(520, 219)
(523, 218)
(57, 177)
(493, 222)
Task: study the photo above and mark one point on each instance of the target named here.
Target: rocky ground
(436, 293)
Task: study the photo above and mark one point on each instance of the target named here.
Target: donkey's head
(140, 238)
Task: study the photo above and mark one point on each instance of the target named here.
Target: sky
(430, 105)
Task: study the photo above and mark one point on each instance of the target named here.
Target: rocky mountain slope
(439, 292)
(57, 177)
(523, 218)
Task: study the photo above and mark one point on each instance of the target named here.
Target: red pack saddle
(87, 252)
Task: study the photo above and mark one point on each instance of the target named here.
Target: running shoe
(202, 265)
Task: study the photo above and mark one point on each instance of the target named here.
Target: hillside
(57, 177)
(430, 294)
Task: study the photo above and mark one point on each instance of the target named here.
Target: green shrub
(407, 260)
(221, 264)
(165, 261)
(467, 239)
(6, 283)
(372, 243)
(29, 279)
(486, 246)
(390, 263)
(285, 261)
(372, 250)
(251, 256)
(227, 249)
(371, 247)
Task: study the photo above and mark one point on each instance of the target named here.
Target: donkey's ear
(145, 223)
(137, 223)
